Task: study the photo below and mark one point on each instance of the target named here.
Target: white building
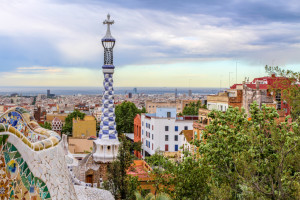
(160, 131)
(218, 102)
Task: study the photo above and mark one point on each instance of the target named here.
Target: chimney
(273, 75)
(257, 85)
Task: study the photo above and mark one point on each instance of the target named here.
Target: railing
(187, 117)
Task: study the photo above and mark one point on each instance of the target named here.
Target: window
(185, 128)
(142, 132)
(278, 99)
(142, 123)
(166, 138)
(176, 128)
(176, 137)
(152, 146)
(166, 128)
(166, 147)
(152, 127)
(176, 147)
(152, 137)
(168, 114)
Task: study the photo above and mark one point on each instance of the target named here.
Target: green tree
(240, 158)
(119, 183)
(143, 110)
(251, 158)
(150, 196)
(137, 146)
(192, 108)
(46, 125)
(181, 180)
(291, 90)
(68, 127)
(125, 114)
(34, 100)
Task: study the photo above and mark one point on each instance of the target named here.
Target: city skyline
(168, 44)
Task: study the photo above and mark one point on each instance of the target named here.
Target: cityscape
(103, 100)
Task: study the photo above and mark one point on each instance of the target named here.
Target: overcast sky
(168, 43)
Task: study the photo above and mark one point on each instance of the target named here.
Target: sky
(169, 43)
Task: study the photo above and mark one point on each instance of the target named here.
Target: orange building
(142, 170)
(137, 133)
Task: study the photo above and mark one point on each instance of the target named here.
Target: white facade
(217, 106)
(160, 131)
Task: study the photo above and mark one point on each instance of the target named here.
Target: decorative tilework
(19, 122)
(15, 120)
(17, 181)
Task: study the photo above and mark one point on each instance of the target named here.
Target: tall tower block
(107, 144)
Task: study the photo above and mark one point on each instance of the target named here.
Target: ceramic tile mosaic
(15, 120)
(17, 180)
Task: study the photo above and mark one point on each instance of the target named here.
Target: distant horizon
(73, 90)
(114, 87)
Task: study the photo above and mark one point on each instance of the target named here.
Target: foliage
(97, 127)
(240, 158)
(68, 127)
(151, 196)
(137, 146)
(192, 108)
(181, 180)
(143, 110)
(253, 158)
(34, 100)
(46, 125)
(291, 92)
(119, 183)
(125, 114)
(156, 160)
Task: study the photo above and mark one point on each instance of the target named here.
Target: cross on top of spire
(108, 22)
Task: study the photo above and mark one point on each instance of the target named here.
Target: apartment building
(151, 105)
(218, 102)
(161, 130)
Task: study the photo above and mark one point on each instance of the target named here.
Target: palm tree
(150, 196)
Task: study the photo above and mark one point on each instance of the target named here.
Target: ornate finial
(109, 22)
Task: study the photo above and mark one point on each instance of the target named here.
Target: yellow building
(84, 128)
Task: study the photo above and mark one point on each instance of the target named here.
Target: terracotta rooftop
(140, 169)
(188, 134)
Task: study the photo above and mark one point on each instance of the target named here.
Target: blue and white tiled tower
(106, 146)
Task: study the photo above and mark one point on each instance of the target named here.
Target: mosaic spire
(108, 122)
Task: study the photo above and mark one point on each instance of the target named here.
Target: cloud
(67, 34)
(38, 69)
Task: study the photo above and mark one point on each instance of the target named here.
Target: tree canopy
(192, 108)
(125, 114)
(46, 125)
(119, 183)
(240, 158)
(68, 127)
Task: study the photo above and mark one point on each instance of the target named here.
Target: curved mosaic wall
(19, 122)
(17, 181)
